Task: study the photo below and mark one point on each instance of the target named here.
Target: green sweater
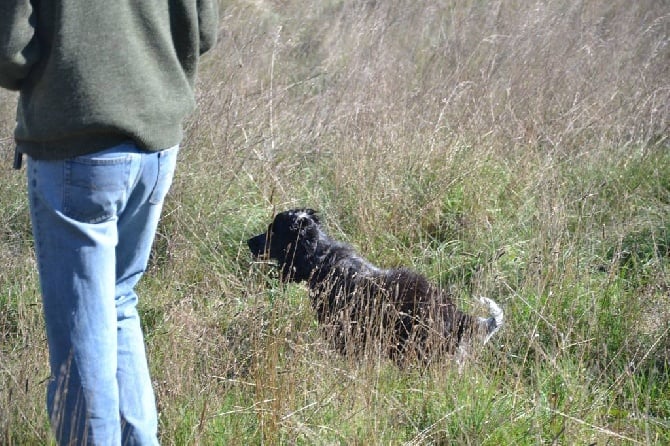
(95, 73)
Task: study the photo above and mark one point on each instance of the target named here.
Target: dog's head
(291, 240)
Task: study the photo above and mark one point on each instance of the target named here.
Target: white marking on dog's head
(302, 214)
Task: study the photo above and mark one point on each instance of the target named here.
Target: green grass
(509, 149)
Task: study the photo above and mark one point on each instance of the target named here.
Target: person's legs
(94, 218)
(74, 205)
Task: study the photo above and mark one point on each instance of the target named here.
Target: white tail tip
(495, 320)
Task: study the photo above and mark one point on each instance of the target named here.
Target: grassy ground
(512, 149)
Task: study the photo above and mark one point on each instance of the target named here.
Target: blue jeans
(94, 218)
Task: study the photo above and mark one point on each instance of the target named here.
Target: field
(518, 150)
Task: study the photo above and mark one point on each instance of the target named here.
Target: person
(104, 88)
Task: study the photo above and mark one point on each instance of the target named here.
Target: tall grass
(512, 149)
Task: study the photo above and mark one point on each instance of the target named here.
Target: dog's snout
(257, 245)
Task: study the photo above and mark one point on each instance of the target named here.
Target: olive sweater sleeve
(208, 16)
(18, 44)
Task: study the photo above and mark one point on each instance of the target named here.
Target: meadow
(517, 150)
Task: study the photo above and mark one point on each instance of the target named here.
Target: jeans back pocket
(167, 162)
(96, 186)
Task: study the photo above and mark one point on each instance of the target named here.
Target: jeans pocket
(96, 186)
(167, 161)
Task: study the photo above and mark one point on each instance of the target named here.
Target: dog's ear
(304, 219)
(313, 216)
(306, 226)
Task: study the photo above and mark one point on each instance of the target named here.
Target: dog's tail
(494, 321)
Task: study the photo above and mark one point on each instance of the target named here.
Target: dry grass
(513, 149)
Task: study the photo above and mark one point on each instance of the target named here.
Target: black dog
(360, 305)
